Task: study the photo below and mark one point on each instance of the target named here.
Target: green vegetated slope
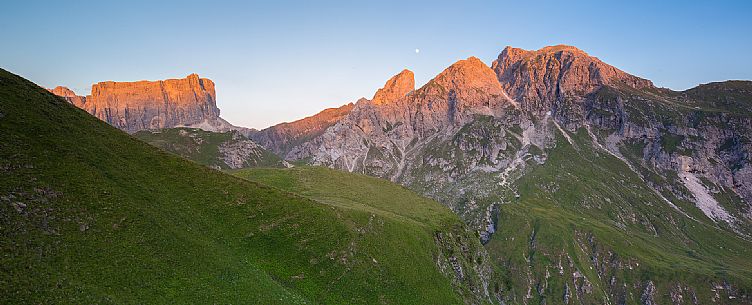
(89, 214)
(668, 136)
(586, 229)
(461, 255)
(211, 148)
(733, 96)
(355, 192)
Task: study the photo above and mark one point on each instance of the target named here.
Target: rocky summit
(539, 79)
(395, 88)
(143, 105)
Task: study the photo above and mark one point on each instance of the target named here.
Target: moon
(417, 51)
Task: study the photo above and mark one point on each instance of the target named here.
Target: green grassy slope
(354, 192)
(586, 227)
(89, 214)
(379, 198)
(204, 146)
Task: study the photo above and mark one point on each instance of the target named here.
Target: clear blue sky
(277, 61)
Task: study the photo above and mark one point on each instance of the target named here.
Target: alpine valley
(546, 177)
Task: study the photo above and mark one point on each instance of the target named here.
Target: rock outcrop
(395, 88)
(539, 79)
(219, 150)
(282, 137)
(142, 105)
(69, 96)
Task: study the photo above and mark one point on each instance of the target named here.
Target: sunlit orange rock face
(62, 91)
(384, 136)
(395, 88)
(281, 137)
(556, 73)
(134, 106)
(464, 89)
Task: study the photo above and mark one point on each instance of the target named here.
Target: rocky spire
(396, 87)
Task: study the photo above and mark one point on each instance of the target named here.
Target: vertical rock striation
(134, 106)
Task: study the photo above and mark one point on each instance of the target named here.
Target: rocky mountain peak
(472, 68)
(69, 95)
(395, 88)
(62, 91)
(465, 79)
(556, 73)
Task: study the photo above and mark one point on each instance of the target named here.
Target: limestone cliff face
(704, 133)
(466, 88)
(282, 137)
(539, 79)
(134, 106)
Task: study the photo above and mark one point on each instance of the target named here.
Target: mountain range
(583, 183)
